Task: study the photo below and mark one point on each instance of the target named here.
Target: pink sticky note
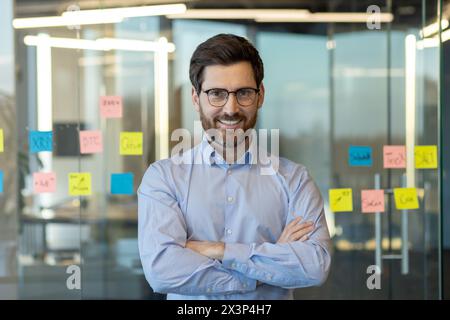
(44, 182)
(91, 142)
(394, 156)
(372, 201)
(111, 106)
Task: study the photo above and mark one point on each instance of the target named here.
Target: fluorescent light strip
(100, 16)
(135, 45)
(279, 15)
(433, 28)
(342, 17)
(129, 12)
(59, 21)
(161, 101)
(44, 103)
(244, 14)
(410, 107)
(102, 44)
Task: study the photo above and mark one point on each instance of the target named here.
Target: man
(219, 229)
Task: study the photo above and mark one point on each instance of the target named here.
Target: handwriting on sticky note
(2, 148)
(360, 156)
(91, 142)
(122, 183)
(341, 200)
(406, 198)
(372, 201)
(394, 157)
(425, 157)
(44, 182)
(111, 106)
(80, 184)
(131, 143)
(1, 181)
(40, 141)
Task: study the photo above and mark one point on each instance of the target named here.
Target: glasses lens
(217, 97)
(246, 96)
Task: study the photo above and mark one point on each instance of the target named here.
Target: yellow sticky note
(80, 184)
(426, 157)
(406, 198)
(131, 143)
(341, 200)
(1, 141)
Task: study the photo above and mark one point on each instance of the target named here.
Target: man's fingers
(299, 234)
(293, 222)
(300, 226)
(304, 238)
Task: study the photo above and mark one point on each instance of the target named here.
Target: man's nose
(232, 106)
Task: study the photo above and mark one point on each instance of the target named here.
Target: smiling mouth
(229, 123)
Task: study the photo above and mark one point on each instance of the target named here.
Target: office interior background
(332, 81)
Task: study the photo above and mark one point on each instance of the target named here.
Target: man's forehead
(238, 74)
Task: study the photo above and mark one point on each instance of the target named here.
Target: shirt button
(233, 265)
(229, 231)
(230, 199)
(229, 172)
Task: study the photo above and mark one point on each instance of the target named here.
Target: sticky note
(80, 184)
(425, 157)
(122, 183)
(2, 148)
(341, 200)
(40, 141)
(372, 201)
(406, 198)
(360, 156)
(111, 106)
(394, 157)
(1, 181)
(131, 143)
(91, 142)
(44, 182)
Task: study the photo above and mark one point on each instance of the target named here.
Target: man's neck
(234, 152)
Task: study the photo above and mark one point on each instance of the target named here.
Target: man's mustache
(230, 118)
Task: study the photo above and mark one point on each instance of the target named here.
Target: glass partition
(109, 95)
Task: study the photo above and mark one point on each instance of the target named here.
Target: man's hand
(213, 250)
(296, 231)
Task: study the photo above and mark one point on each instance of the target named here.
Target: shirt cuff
(236, 256)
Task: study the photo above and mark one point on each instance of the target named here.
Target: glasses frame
(257, 91)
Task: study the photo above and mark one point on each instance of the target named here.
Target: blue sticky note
(1, 181)
(360, 156)
(40, 141)
(122, 183)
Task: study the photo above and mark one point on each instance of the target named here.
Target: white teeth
(229, 123)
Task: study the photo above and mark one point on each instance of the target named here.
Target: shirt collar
(210, 156)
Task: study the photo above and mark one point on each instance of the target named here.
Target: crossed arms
(299, 258)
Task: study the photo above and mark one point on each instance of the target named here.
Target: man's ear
(195, 99)
(262, 91)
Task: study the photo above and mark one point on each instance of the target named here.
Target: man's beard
(227, 137)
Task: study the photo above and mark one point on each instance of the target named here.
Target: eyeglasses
(218, 97)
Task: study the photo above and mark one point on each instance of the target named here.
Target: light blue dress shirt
(237, 205)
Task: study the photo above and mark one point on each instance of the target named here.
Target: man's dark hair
(224, 49)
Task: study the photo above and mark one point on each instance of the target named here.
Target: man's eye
(216, 93)
(245, 93)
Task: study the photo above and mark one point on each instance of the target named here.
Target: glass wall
(329, 86)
